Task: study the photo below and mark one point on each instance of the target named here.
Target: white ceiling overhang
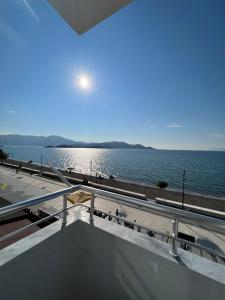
(82, 15)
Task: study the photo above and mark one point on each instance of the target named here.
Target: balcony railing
(176, 215)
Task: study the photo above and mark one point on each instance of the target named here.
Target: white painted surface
(84, 14)
(106, 261)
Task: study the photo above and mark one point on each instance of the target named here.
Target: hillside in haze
(61, 142)
(31, 140)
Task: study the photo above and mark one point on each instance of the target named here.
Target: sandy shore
(150, 192)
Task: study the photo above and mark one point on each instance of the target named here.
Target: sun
(84, 82)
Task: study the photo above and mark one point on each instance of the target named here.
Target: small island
(104, 145)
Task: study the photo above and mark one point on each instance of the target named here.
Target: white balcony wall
(84, 262)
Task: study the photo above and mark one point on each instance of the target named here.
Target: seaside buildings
(96, 250)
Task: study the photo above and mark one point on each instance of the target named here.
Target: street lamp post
(91, 167)
(183, 189)
(41, 164)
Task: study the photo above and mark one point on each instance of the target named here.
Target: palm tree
(162, 184)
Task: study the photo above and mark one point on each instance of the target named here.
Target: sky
(156, 74)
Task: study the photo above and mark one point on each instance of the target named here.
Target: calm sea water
(205, 171)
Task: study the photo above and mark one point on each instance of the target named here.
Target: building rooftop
(14, 221)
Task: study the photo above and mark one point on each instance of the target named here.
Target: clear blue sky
(157, 70)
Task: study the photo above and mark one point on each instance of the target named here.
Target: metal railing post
(92, 208)
(174, 226)
(64, 214)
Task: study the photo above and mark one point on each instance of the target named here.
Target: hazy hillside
(31, 140)
(61, 142)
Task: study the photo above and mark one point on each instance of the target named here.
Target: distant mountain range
(61, 142)
(31, 140)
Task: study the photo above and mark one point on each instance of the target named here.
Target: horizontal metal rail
(170, 212)
(37, 200)
(155, 231)
(182, 215)
(197, 219)
(42, 220)
(122, 219)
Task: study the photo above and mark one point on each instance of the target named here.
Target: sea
(204, 170)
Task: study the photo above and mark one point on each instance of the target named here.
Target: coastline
(139, 166)
(146, 191)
